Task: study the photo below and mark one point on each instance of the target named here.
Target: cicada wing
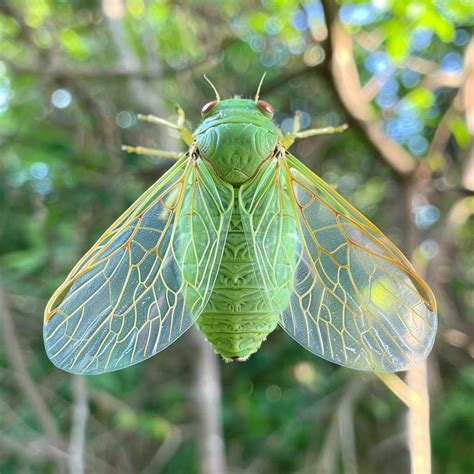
(354, 298)
(270, 230)
(147, 279)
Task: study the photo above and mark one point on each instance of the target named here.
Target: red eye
(208, 107)
(265, 107)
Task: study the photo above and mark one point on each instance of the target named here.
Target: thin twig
(208, 405)
(16, 358)
(164, 452)
(328, 457)
(418, 416)
(39, 450)
(419, 420)
(345, 417)
(397, 386)
(340, 434)
(78, 427)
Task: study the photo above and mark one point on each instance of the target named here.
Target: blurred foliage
(73, 75)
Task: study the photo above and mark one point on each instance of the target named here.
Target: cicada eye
(265, 107)
(208, 107)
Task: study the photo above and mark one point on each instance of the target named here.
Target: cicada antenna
(257, 95)
(218, 97)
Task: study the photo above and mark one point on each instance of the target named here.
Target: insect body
(238, 237)
(236, 137)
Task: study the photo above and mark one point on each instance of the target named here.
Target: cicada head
(236, 136)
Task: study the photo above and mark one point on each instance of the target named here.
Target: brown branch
(418, 415)
(467, 179)
(468, 88)
(347, 82)
(442, 133)
(444, 263)
(442, 79)
(468, 106)
(146, 73)
(61, 72)
(345, 77)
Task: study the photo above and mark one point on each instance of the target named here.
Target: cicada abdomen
(239, 316)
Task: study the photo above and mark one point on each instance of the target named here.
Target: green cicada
(239, 237)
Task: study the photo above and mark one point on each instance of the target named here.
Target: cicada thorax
(239, 316)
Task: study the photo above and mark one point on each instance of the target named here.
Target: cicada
(239, 237)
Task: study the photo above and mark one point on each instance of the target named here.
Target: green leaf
(74, 44)
(421, 98)
(440, 25)
(127, 418)
(257, 21)
(397, 42)
(460, 131)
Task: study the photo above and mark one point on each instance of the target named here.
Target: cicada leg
(296, 133)
(184, 132)
(141, 150)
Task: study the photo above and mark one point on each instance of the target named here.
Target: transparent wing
(148, 277)
(353, 298)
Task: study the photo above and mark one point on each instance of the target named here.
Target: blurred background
(73, 75)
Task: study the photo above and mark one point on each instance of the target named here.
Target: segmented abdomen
(238, 318)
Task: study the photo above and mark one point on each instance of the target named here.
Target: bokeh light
(362, 14)
(61, 98)
(125, 119)
(39, 170)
